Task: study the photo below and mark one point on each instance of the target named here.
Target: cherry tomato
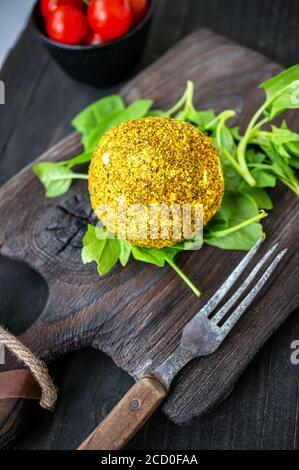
(139, 9)
(110, 18)
(93, 38)
(67, 24)
(47, 6)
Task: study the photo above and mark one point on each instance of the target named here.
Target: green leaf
(98, 247)
(261, 197)
(149, 255)
(201, 118)
(125, 252)
(254, 156)
(294, 163)
(281, 136)
(136, 110)
(243, 239)
(281, 169)
(92, 138)
(237, 210)
(93, 246)
(279, 83)
(235, 131)
(88, 119)
(156, 113)
(84, 157)
(109, 257)
(160, 257)
(282, 91)
(263, 178)
(232, 179)
(56, 178)
(293, 148)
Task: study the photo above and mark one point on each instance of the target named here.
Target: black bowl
(97, 65)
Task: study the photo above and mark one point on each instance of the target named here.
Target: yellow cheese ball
(145, 163)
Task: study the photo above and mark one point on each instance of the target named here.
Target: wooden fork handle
(127, 417)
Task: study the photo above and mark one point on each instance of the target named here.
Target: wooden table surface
(262, 411)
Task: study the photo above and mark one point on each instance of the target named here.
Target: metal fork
(204, 333)
(201, 336)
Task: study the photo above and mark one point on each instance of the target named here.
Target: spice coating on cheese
(151, 162)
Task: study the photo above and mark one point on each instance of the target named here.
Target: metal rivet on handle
(134, 404)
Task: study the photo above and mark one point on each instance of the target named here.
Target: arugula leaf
(93, 246)
(238, 227)
(106, 251)
(161, 256)
(263, 179)
(201, 118)
(282, 92)
(109, 257)
(56, 178)
(261, 197)
(293, 148)
(280, 168)
(99, 248)
(241, 239)
(92, 138)
(86, 121)
(156, 113)
(280, 136)
(78, 160)
(149, 255)
(125, 252)
(294, 163)
(136, 110)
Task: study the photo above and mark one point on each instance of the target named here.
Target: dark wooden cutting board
(136, 314)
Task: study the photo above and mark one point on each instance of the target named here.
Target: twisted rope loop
(36, 366)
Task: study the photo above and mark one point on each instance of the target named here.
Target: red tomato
(47, 6)
(67, 24)
(93, 38)
(139, 9)
(110, 18)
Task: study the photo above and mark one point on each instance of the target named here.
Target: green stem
(80, 176)
(293, 186)
(252, 127)
(223, 233)
(187, 100)
(184, 277)
(232, 161)
(243, 164)
(261, 123)
(177, 106)
(75, 176)
(223, 117)
(189, 96)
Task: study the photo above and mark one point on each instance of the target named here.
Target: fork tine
(210, 306)
(232, 320)
(233, 299)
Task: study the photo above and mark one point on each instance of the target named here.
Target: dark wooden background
(262, 411)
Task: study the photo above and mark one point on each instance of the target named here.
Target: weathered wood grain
(214, 92)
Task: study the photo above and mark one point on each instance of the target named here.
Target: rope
(36, 366)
